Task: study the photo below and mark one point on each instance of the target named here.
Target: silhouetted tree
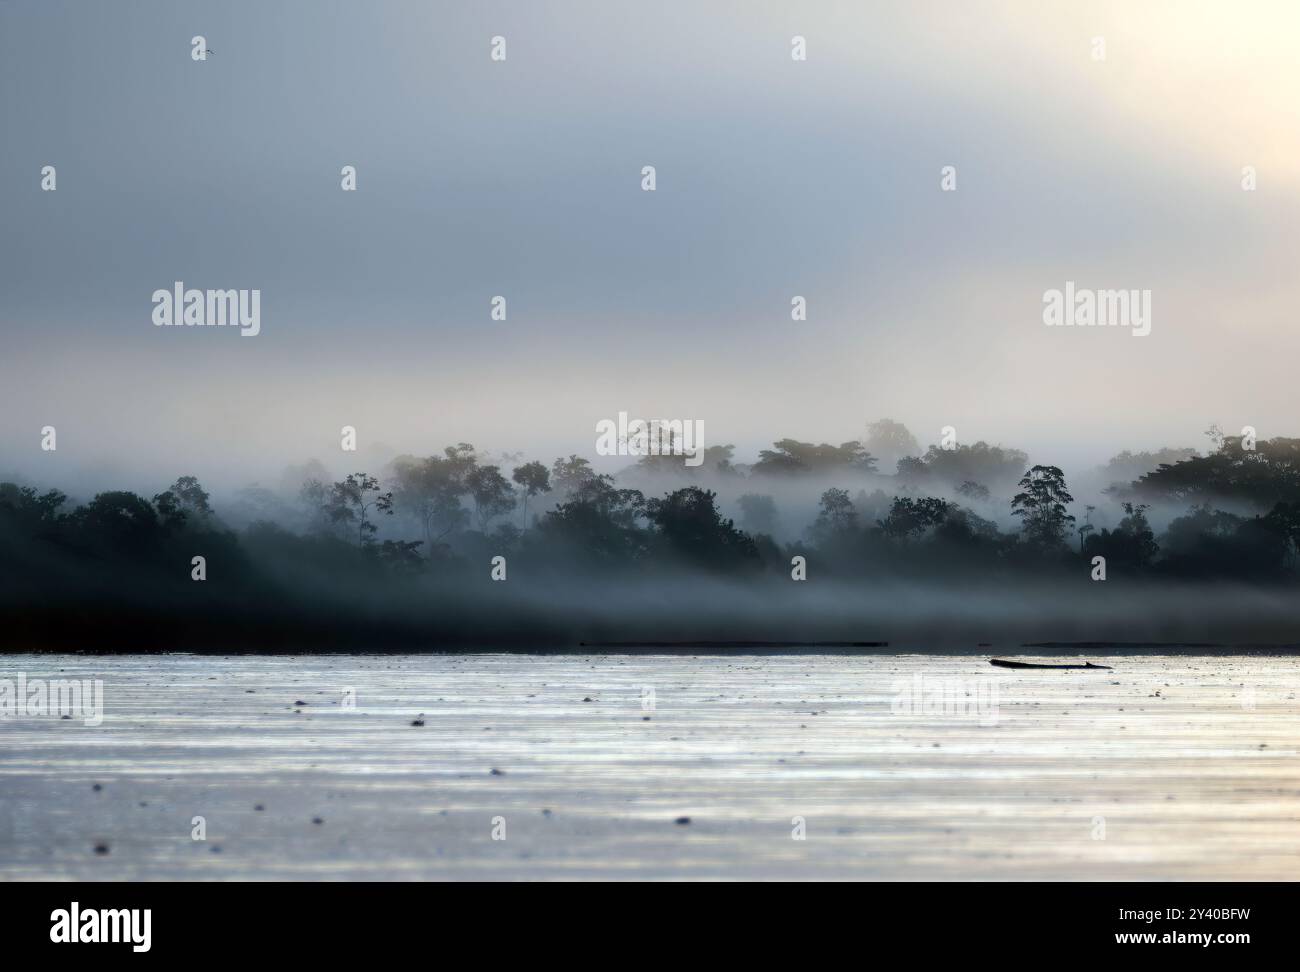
(351, 501)
(568, 475)
(1213, 543)
(837, 521)
(1041, 505)
(491, 492)
(1131, 544)
(911, 516)
(185, 499)
(534, 478)
(1284, 520)
(400, 556)
(993, 466)
(872, 507)
(431, 489)
(792, 456)
(1127, 466)
(964, 530)
(600, 522)
(192, 496)
(24, 511)
(1267, 474)
(314, 496)
(1086, 527)
(837, 513)
(688, 521)
(169, 509)
(890, 441)
(1201, 543)
(718, 459)
(119, 520)
(671, 459)
(1135, 525)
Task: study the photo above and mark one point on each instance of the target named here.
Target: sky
(523, 178)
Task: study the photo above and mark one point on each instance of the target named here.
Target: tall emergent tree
(431, 489)
(351, 501)
(1041, 503)
(568, 475)
(492, 494)
(533, 478)
(890, 441)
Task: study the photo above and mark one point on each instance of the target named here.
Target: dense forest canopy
(969, 510)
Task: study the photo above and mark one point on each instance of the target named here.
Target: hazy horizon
(521, 178)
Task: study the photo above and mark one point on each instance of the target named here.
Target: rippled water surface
(899, 767)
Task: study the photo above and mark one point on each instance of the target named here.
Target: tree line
(968, 508)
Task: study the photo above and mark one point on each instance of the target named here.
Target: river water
(836, 766)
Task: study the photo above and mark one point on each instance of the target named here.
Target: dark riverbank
(698, 614)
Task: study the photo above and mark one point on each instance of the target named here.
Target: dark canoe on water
(1015, 664)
